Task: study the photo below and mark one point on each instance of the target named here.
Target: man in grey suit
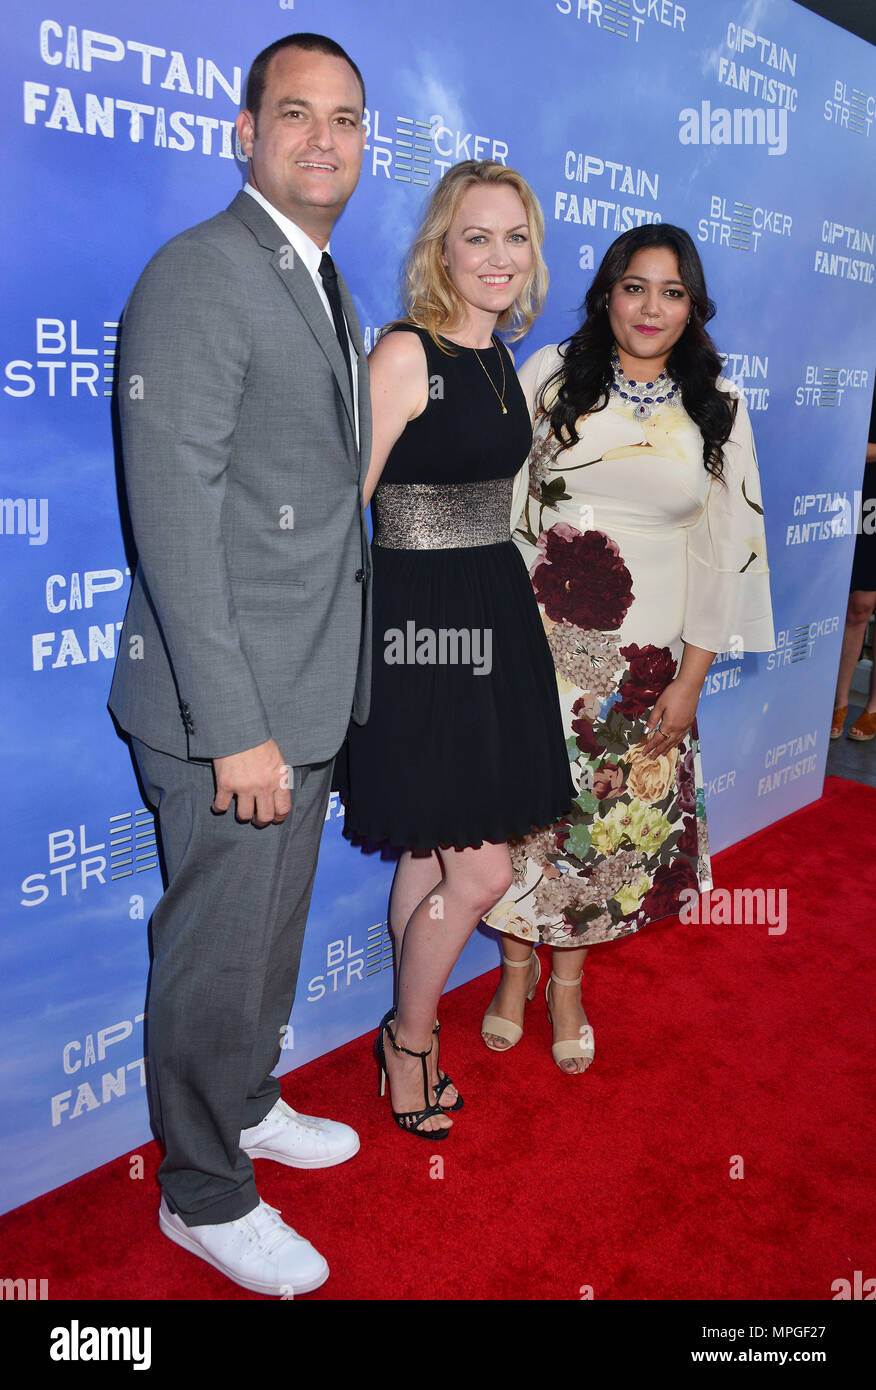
(246, 433)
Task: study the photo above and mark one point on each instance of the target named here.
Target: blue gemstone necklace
(643, 396)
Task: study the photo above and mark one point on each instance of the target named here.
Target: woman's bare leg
(416, 878)
(472, 881)
(861, 605)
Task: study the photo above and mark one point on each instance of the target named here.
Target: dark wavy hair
(585, 377)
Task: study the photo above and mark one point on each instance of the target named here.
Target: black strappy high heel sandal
(443, 1079)
(407, 1120)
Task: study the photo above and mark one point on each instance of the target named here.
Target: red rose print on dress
(580, 578)
(608, 781)
(651, 670)
(686, 783)
(689, 844)
(663, 899)
(582, 728)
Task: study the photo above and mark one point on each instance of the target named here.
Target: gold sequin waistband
(442, 516)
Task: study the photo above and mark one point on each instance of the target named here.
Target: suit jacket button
(360, 575)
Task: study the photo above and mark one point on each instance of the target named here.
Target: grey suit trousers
(226, 940)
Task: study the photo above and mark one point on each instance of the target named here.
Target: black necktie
(330, 284)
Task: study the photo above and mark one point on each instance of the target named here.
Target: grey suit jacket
(249, 613)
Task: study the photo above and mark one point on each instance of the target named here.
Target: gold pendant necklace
(500, 398)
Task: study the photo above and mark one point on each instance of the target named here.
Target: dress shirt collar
(301, 243)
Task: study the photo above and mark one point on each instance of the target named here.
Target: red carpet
(711, 1041)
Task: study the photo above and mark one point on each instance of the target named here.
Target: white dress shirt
(310, 255)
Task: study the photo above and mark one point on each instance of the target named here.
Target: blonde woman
(463, 678)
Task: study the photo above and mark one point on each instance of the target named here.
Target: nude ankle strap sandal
(573, 1048)
(503, 1027)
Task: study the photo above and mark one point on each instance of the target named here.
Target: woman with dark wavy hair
(643, 533)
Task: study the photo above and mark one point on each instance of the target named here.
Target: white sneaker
(302, 1141)
(258, 1251)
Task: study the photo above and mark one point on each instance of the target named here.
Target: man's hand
(259, 779)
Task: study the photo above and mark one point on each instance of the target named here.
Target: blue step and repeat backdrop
(751, 124)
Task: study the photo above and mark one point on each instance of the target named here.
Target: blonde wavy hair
(430, 298)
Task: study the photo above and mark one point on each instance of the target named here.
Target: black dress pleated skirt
(456, 754)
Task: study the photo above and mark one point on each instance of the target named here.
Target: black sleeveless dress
(465, 739)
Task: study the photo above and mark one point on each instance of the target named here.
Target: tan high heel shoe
(572, 1048)
(503, 1027)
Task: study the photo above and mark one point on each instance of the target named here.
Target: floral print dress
(632, 549)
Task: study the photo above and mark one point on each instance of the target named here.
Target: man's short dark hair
(310, 43)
